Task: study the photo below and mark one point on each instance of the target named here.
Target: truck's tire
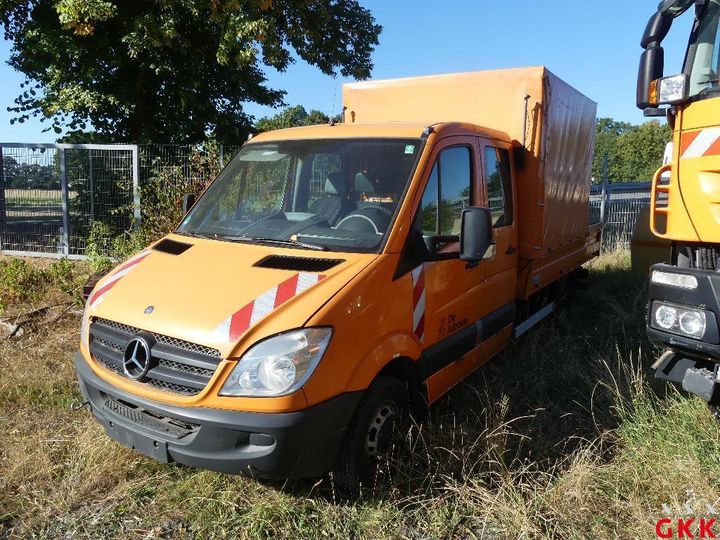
(374, 435)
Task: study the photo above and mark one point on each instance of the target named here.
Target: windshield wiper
(276, 241)
(196, 235)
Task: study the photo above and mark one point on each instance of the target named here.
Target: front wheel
(374, 434)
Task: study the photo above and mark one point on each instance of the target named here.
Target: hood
(216, 293)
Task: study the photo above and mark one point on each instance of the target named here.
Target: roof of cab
(389, 130)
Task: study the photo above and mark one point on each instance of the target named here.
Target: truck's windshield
(703, 60)
(337, 195)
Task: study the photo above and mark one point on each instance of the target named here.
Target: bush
(24, 283)
(19, 282)
(161, 208)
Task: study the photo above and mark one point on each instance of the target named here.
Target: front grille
(176, 366)
(166, 340)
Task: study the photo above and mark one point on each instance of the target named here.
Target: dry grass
(562, 436)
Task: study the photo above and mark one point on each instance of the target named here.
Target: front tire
(375, 432)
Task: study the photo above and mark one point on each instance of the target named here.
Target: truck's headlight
(669, 90)
(683, 281)
(666, 317)
(692, 323)
(278, 365)
(685, 321)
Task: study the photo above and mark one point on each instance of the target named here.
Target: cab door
(459, 317)
(447, 293)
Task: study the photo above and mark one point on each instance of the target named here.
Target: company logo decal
(116, 276)
(136, 359)
(418, 281)
(236, 325)
(695, 518)
(701, 143)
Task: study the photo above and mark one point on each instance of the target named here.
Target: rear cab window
(498, 184)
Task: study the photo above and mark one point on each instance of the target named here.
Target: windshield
(337, 195)
(705, 70)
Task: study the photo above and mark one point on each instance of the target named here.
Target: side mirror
(187, 202)
(475, 233)
(652, 64)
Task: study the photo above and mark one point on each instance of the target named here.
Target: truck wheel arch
(408, 372)
(395, 355)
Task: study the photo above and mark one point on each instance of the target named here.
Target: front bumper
(697, 376)
(302, 444)
(706, 296)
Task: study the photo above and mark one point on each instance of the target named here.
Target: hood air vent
(301, 264)
(173, 247)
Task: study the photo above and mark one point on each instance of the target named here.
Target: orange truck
(684, 295)
(334, 280)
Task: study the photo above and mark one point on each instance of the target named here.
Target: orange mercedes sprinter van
(334, 279)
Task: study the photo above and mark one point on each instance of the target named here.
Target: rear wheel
(374, 434)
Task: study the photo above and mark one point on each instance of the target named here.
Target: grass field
(561, 436)
(35, 197)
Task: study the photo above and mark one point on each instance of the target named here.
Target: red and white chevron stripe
(116, 276)
(240, 321)
(701, 143)
(418, 281)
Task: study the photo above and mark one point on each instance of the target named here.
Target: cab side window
(499, 186)
(448, 191)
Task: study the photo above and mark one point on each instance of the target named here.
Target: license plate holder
(147, 446)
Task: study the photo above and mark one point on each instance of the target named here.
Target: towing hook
(77, 405)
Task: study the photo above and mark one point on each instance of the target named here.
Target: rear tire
(374, 435)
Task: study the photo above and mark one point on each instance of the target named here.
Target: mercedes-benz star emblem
(136, 360)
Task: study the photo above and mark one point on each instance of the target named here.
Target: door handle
(511, 251)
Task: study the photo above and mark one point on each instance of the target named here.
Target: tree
(291, 117)
(634, 151)
(640, 151)
(607, 132)
(173, 70)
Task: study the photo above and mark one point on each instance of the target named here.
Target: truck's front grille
(176, 366)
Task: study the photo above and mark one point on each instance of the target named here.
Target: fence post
(605, 194)
(3, 214)
(136, 186)
(65, 196)
(91, 178)
(222, 157)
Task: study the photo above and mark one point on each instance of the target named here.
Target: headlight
(278, 365)
(685, 321)
(666, 317)
(683, 281)
(669, 90)
(692, 323)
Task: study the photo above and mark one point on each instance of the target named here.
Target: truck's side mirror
(475, 233)
(187, 202)
(651, 68)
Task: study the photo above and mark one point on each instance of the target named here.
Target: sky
(593, 45)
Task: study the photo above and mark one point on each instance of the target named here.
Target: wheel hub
(379, 435)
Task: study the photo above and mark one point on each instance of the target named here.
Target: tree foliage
(634, 152)
(173, 70)
(28, 175)
(291, 117)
